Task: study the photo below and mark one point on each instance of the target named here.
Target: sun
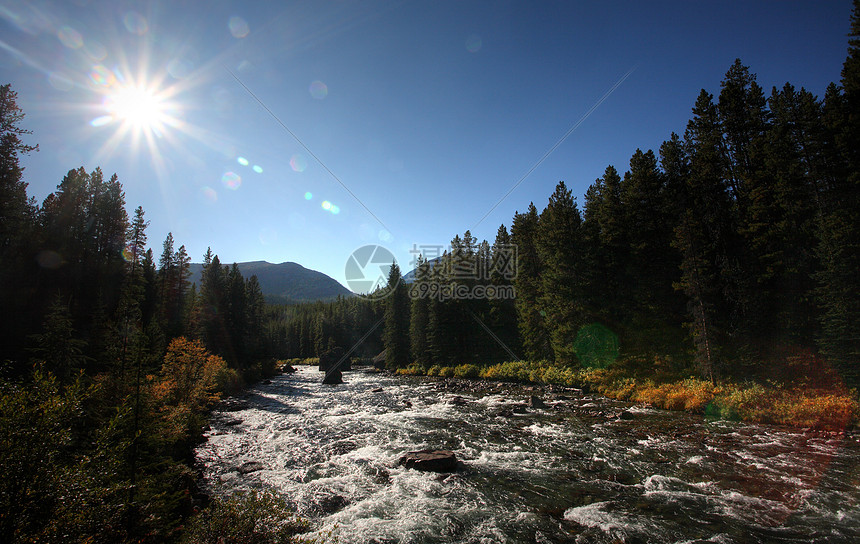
(136, 107)
(138, 115)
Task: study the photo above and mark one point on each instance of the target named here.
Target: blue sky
(427, 112)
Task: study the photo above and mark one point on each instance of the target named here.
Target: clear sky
(422, 114)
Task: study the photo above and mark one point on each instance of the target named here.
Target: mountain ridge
(285, 282)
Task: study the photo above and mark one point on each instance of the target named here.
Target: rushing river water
(570, 472)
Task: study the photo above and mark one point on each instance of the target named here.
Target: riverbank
(822, 403)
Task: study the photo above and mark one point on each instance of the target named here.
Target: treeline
(80, 252)
(733, 248)
(109, 359)
(312, 328)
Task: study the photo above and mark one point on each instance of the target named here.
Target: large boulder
(536, 402)
(333, 377)
(330, 358)
(430, 460)
(249, 467)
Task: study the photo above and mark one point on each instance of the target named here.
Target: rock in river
(536, 402)
(333, 377)
(430, 460)
(249, 467)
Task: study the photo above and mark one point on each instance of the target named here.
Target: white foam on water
(598, 515)
(549, 429)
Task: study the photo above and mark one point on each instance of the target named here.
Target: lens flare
(101, 121)
(128, 253)
(60, 82)
(298, 163)
(473, 43)
(326, 205)
(257, 168)
(308, 195)
(70, 37)
(102, 76)
(209, 193)
(238, 27)
(334, 209)
(49, 259)
(318, 90)
(95, 50)
(135, 23)
(179, 68)
(242, 160)
(231, 180)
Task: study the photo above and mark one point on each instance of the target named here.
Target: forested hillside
(110, 358)
(285, 283)
(731, 250)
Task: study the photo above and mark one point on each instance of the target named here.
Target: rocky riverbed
(535, 464)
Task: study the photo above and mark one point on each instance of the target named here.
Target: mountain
(285, 282)
(409, 277)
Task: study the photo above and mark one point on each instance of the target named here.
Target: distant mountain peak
(286, 281)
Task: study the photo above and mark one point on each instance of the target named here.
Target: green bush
(412, 370)
(466, 371)
(446, 372)
(511, 371)
(247, 518)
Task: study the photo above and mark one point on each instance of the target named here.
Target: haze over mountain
(286, 282)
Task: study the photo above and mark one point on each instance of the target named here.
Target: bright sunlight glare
(135, 106)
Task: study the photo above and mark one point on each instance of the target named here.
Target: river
(571, 472)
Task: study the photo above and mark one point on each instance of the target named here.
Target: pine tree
(531, 317)
(558, 242)
(649, 220)
(256, 306)
(58, 346)
(502, 314)
(743, 118)
(606, 250)
(839, 225)
(213, 306)
(237, 315)
(703, 237)
(18, 234)
(396, 333)
(420, 313)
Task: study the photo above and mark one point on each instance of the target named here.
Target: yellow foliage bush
(191, 375)
(466, 371)
(446, 372)
(511, 371)
(411, 370)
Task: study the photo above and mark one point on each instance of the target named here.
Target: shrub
(466, 371)
(411, 370)
(446, 372)
(511, 371)
(247, 518)
(434, 370)
(190, 375)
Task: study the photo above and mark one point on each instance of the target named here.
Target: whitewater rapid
(572, 472)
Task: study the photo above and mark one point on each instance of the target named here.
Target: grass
(818, 401)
